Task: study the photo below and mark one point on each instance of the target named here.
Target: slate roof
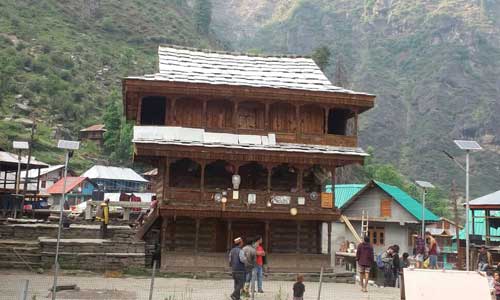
(178, 64)
(170, 135)
(114, 173)
(71, 183)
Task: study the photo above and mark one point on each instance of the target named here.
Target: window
(377, 235)
(385, 208)
(153, 110)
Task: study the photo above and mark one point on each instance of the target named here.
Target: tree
(202, 15)
(321, 57)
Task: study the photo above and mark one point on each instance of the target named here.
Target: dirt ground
(92, 286)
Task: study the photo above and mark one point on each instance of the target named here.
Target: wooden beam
(163, 242)
(329, 237)
(487, 220)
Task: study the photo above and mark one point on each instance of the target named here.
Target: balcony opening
(283, 117)
(251, 115)
(312, 179)
(312, 119)
(253, 177)
(188, 112)
(219, 114)
(284, 179)
(153, 110)
(218, 175)
(338, 121)
(185, 173)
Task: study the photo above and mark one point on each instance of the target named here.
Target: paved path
(135, 288)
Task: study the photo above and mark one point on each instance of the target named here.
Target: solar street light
(468, 146)
(424, 185)
(69, 146)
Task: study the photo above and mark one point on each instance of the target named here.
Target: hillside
(62, 61)
(434, 65)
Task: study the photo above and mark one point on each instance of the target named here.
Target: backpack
(378, 260)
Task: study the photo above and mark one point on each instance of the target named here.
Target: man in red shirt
(260, 263)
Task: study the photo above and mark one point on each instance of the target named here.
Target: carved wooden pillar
(163, 242)
(139, 110)
(196, 235)
(267, 236)
(327, 110)
(173, 120)
(355, 131)
(267, 122)
(204, 114)
(300, 178)
(235, 116)
(203, 163)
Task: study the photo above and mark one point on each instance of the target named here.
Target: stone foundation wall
(93, 254)
(75, 231)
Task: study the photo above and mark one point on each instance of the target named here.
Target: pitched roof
(34, 173)
(114, 173)
(223, 68)
(169, 135)
(8, 161)
(97, 127)
(344, 192)
(407, 202)
(71, 183)
(490, 199)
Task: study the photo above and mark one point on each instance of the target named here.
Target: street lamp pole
(467, 238)
(424, 192)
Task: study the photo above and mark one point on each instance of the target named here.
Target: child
(299, 288)
(496, 284)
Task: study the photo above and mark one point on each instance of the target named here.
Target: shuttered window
(377, 235)
(385, 208)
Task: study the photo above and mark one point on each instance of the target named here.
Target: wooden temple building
(277, 123)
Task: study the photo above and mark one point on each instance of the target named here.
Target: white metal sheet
(250, 139)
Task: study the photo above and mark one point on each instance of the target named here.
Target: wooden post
(473, 222)
(329, 237)
(300, 179)
(235, 116)
(172, 111)
(267, 122)
(38, 182)
(196, 235)
(299, 227)
(163, 242)
(298, 128)
(355, 123)
(487, 220)
(327, 111)
(5, 179)
(139, 111)
(269, 176)
(126, 214)
(267, 236)
(229, 235)
(166, 178)
(202, 180)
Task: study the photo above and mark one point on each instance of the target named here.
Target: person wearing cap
(237, 262)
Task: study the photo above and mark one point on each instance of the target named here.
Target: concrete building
(116, 179)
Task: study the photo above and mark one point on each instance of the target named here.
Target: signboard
(326, 200)
(252, 199)
(285, 200)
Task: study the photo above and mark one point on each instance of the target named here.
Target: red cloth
(260, 259)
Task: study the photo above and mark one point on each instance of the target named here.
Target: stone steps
(18, 264)
(19, 254)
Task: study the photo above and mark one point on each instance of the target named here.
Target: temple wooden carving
(276, 122)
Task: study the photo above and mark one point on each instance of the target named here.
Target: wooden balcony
(202, 204)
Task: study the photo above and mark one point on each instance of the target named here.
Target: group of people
(390, 262)
(247, 259)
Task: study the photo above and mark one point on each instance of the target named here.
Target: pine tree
(321, 57)
(202, 15)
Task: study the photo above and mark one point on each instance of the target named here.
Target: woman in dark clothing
(396, 266)
(299, 288)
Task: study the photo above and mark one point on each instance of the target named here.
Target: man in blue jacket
(237, 262)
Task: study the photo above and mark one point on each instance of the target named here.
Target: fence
(128, 287)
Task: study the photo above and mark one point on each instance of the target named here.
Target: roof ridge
(235, 53)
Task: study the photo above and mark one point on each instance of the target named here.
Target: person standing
(433, 250)
(396, 265)
(387, 259)
(250, 263)
(364, 257)
(237, 263)
(102, 215)
(419, 251)
(484, 260)
(299, 288)
(260, 263)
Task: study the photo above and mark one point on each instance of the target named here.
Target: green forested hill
(63, 61)
(434, 65)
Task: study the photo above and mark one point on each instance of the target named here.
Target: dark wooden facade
(189, 176)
